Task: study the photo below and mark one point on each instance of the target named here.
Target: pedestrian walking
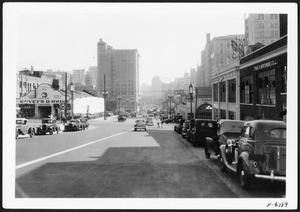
(157, 123)
(162, 123)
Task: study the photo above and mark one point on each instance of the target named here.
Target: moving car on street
(226, 129)
(140, 124)
(74, 125)
(85, 123)
(121, 118)
(203, 128)
(260, 152)
(48, 126)
(23, 129)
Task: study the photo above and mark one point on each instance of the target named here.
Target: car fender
(244, 157)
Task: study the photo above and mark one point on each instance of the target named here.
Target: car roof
(21, 119)
(263, 123)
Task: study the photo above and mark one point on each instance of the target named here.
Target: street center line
(65, 151)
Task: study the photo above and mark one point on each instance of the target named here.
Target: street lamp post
(119, 99)
(72, 90)
(170, 96)
(105, 93)
(191, 89)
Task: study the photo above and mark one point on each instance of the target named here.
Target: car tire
(207, 154)
(134, 129)
(221, 164)
(51, 132)
(244, 176)
(145, 129)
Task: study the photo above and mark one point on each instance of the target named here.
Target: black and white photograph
(150, 106)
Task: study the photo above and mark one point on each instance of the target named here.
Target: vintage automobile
(23, 129)
(140, 124)
(85, 123)
(149, 121)
(177, 118)
(226, 129)
(121, 118)
(203, 128)
(185, 127)
(48, 126)
(74, 125)
(189, 130)
(178, 127)
(260, 152)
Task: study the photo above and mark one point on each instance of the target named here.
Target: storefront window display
(266, 87)
(246, 89)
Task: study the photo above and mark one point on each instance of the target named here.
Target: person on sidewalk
(162, 123)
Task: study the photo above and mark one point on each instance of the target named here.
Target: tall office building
(262, 28)
(79, 76)
(157, 90)
(216, 55)
(120, 69)
(91, 76)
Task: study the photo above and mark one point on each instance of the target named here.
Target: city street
(111, 160)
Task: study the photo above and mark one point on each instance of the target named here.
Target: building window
(260, 16)
(246, 89)
(231, 90)
(271, 16)
(223, 114)
(215, 92)
(284, 79)
(20, 84)
(222, 91)
(276, 25)
(266, 87)
(231, 115)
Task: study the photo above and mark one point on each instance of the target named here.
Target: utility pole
(66, 100)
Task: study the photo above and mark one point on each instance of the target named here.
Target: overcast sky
(168, 37)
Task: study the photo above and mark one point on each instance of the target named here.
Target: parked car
(177, 118)
(185, 127)
(140, 124)
(178, 127)
(74, 125)
(226, 129)
(260, 152)
(23, 128)
(121, 118)
(189, 130)
(85, 123)
(48, 126)
(149, 121)
(203, 128)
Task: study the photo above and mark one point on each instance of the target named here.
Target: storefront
(42, 102)
(263, 82)
(225, 93)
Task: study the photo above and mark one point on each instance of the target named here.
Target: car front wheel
(221, 164)
(244, 176)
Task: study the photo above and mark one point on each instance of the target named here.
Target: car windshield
(139, 121)
(278, 133)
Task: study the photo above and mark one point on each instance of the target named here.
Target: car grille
(275, 157)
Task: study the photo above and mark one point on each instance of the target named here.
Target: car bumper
(271, 177)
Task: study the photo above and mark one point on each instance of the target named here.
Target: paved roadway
(110, 160)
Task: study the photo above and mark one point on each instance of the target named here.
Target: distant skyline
(168, 37)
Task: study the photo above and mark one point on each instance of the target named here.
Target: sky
(168, 37)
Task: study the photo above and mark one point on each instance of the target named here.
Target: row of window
(272, 16)
(266, 88)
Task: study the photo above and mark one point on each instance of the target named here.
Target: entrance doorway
(204, 111)
(44, 111)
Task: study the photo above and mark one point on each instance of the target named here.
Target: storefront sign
(27, 106)
(47, 101)
(265, 65)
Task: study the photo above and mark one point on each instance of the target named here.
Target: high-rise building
(120, 69)
(262, 28)
(79, 76)
(157, 90)
(216, 55)
(91, 76)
